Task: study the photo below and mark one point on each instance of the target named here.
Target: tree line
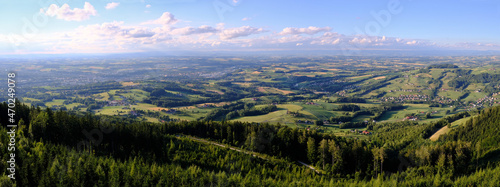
(50, 152)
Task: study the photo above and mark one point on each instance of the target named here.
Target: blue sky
(49, 26)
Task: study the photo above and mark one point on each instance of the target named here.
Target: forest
(60, 148)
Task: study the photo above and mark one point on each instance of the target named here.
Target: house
(134, 113)
(412, 118)
(169, 111)
(206, 106)
(366, 132)
(116, 103)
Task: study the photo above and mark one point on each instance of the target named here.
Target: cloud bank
(162, 33)
(66, 13)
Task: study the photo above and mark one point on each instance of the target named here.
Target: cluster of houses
(405, 90)
(169, 111)
(443, 100)
(403, 98)
(344, 91)
(311, 103)
(206, 106)
(134, 113)
(486, 101)
(294, 114)
(365, 132)
(117, 103)
(410, 118)
(305, 121)
(315, 128)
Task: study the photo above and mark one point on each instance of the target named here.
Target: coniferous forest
(250, 93)
(59, 148)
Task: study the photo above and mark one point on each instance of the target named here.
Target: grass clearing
(57, 102)
(460, 122)
(29, 99)
(112, 110)
(440, 132)
(129, 84)
(394, 116)
(445, 129)
(101, 96)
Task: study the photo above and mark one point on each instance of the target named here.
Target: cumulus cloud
(109, 36)
(328, 38)
(411, 42)
(159, 34)
(66, 13)
(240, 32)
(246, 19)
(113, 30)
(309, 30)
(190, 30)
(166, 19)
(148, 6)
(112, 5)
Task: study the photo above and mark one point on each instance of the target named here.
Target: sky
(68, 27)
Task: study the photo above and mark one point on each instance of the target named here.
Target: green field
(393, 116)
(112, 110)
(445, 129)
(58, 102)
(460, 122)
(280, 116)
(28, 99)
(291, 84)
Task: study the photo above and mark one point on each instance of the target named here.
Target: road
(243, 151)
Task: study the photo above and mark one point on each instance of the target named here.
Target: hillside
(342, 93)
(54, 148)
(483, 132)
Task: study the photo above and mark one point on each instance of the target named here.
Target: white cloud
(328, 38)
(240, 32)
(246, 19)
(190, 30)
(66, 13)
(291, 39)
(166, 19)
(109, 36)
(112, 5)
(411, 42)
(309, 30)
(148, 6)
(118, 37)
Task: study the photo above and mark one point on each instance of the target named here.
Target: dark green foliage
(426, 70)
(222, 113)
(318, 123)
(349, 125)
(464, 81)
(255, 112)
(350, 100)
(482, 131)
(440, 66)
(145, 154)
(349, 107)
